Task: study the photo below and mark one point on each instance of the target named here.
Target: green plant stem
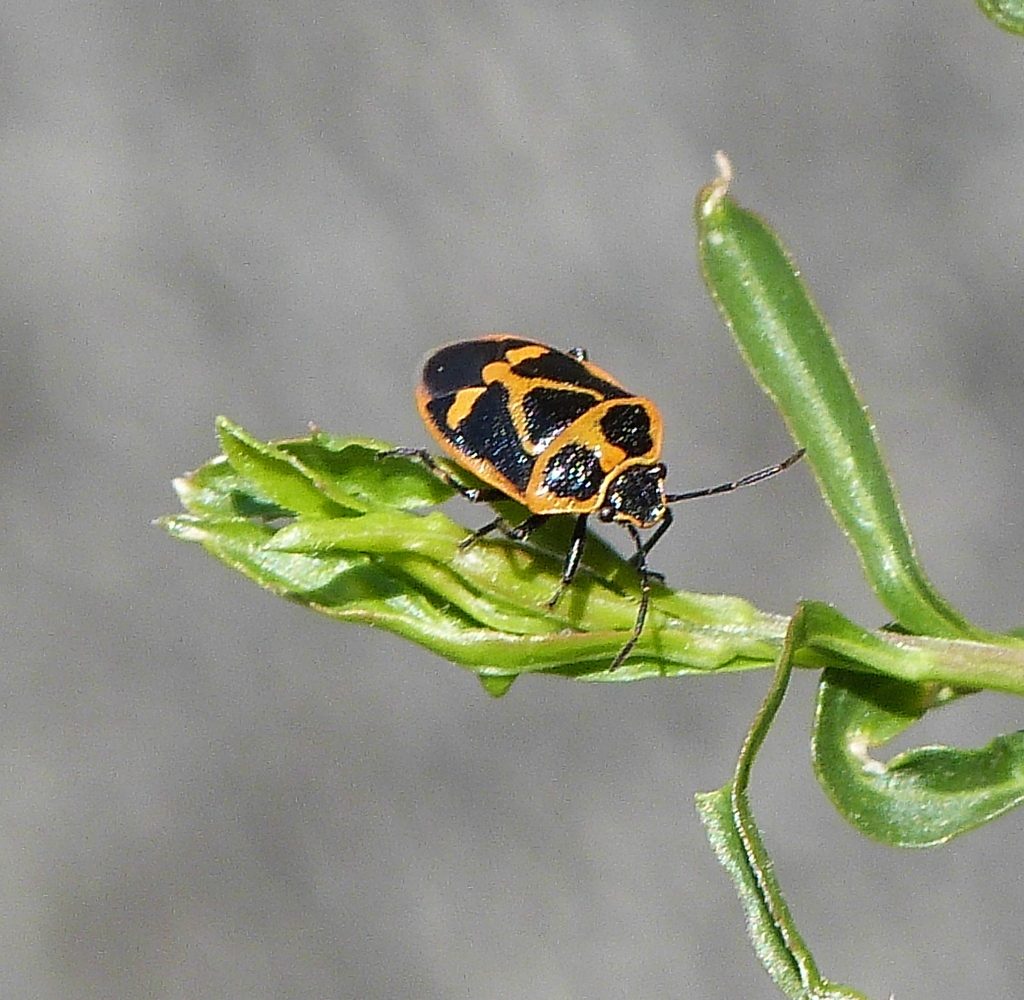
(736, 839)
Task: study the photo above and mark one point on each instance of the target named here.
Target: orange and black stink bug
(558, 435)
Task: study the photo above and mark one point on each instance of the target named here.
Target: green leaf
(274, 477)
(497, 686)
(918, 798)
(362, 474)
(1008, 14)
(217, 491)
(360, 550)
(326, 522)
(242, 545)
(787, 345)
(736, 839)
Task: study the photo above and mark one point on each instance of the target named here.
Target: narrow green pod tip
(790, 350)
(710, 196)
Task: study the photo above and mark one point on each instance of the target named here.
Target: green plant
(337, 524)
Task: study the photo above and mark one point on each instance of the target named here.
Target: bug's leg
(524, 529)
(520, 532)
(572, 558)
(712, 491)
(640, 561)
(472, 493)
(666, 523)
(481, 532)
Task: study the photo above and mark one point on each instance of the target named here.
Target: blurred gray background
(273, 211)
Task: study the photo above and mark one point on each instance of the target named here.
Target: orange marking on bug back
(462, 405)
(518, 354)
(496, 371)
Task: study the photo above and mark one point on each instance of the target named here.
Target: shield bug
(558, 435)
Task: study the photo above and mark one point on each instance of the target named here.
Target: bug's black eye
(606, 514)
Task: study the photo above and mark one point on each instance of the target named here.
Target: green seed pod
(789, 348)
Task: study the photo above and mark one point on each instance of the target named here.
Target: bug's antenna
(754, 477)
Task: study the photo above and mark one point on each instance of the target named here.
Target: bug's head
(636, 496)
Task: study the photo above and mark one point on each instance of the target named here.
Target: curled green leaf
(736, 839)
(919, 798)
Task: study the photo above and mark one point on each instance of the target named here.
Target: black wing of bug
(460, 366)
